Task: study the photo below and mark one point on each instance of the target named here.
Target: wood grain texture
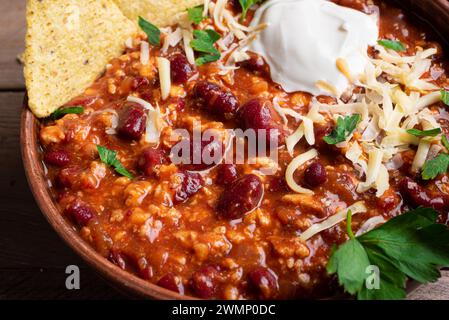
(12, 32)
(32, 257)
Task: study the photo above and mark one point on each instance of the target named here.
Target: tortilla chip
(68, 45)
(159, 12)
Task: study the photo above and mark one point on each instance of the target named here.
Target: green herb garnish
(426, 133)
(109, 157)
(246, 4)
(435, 167)
(203, 42)
(345, 126)
(153, 32)
(445, 142)
(411, 245)
(67, 110)
(445, 97)
(196, 14)
(392, 44)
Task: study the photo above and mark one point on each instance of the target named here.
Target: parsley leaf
(345, 126)
(435, 167)
(246, 4)
(67, 110)
(196, 14)
(153, 32)
(109, 157)
(411, 245)
(204, 43)
(445, 142)
(426, 133)
(445, 97)
(392, 44)
(349, 262)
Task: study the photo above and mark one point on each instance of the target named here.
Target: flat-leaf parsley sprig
(109, 157)
(411, 245)
(203, 43)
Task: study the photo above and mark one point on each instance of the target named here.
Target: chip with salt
(68, 45)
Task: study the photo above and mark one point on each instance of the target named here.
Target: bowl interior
(433, 13)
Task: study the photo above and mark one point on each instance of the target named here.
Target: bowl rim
(34, 171)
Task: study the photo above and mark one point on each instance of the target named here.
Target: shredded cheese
(163, 64)
(340, 216)
(395, 99)
(155, 122)
(144, 53)
(186, 38)
(343, 67)
(293, 166)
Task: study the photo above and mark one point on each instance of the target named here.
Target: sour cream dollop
(309, 43)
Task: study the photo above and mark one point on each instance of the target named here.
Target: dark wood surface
(33, 258)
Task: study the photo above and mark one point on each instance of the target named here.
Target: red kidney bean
(264, 281)
(139, 82)
(181, 105)
(204, 282)
(191, 183)
(150, 158)
(80, 212)
(418, 196)
(132, 122)
(171, 283)
(180, 68)
(146, 273)
(118, 259)
(315, 175)
(235, 5)
(58, 158)
(227, 173)
(257, 115)
(255, 64)
(215, 99)
(241, 197)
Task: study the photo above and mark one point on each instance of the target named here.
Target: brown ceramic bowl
(434, 13)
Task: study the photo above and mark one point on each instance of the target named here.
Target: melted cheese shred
(395, 98)
(163, 65)
(340, 216)
(293, 166)
(144, 53)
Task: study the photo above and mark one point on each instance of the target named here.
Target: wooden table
(32, 257)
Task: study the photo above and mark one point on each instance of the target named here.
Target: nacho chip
(159, 12)
(68, 45)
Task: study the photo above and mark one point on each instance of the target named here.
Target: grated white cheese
(370, 224)
(155, 122)
(340, 216)
(395, 98)
(163, 64)
(293, 166)
(144, 53)
(186, 38)
(172, 38)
